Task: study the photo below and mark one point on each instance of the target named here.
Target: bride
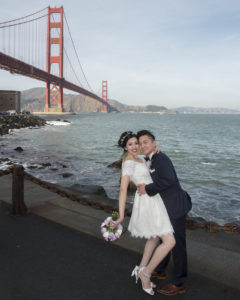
(149, 218)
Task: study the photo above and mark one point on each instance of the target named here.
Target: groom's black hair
(145, 132)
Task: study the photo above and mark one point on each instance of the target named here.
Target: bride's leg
(148, 251)
(149, 248)
(168, 242)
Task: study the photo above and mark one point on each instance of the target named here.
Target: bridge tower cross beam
(54, 91)
(104, 95)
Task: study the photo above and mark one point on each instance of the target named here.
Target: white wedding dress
(149, 215)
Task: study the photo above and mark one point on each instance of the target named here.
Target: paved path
(57, 252)
(41, 259)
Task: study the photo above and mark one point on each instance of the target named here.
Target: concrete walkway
(45, 260)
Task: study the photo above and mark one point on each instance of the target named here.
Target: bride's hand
(157, 150)
(114, 224)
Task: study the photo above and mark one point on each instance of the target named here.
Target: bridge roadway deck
(56, 252)
(52, 113)
(14, 65)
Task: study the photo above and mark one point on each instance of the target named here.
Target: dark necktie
(147, 158)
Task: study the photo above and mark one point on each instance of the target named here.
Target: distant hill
(204, 110)
(34, 100)
(141, 109)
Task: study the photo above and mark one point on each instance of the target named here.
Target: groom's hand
(157, 149)
(141, 189)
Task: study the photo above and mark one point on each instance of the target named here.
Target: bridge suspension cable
(69, 61)
(23, 17)
(23, 22)
(25, 38)
(76, 53)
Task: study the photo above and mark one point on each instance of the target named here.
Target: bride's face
(132, 146)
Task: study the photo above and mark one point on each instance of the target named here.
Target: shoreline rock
(17, 121)
(18, 149)
(118, 165)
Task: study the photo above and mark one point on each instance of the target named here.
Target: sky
(157, 52)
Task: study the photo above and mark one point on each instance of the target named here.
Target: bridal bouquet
(111, 235)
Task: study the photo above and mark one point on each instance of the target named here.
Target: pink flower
(120, 227)
(103, 229)
(111, 236)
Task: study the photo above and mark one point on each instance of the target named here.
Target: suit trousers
(179, 253)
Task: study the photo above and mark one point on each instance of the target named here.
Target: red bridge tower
(104, 95)
(54, 93)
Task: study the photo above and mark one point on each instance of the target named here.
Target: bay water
(205, 150)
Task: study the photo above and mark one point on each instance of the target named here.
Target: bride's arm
(122, 200)
(123, 195)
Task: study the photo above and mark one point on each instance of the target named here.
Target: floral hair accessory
(123, 138)
(111, 235)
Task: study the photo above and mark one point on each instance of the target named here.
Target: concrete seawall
(213, 255)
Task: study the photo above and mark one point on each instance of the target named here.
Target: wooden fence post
(18, 205)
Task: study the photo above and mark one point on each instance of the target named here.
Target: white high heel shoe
(148, 291)
(135, 273)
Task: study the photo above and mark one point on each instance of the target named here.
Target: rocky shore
(17, 121)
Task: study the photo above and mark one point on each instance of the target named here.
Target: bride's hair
(124, 137)
(122, 142)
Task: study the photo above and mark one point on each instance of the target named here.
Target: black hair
(145, 132)
(125, 136)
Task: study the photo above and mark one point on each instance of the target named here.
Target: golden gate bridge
(40, 46)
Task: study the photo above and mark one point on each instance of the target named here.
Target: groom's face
(147, 144)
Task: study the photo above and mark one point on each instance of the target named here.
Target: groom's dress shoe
(171, 290)
(159, 275)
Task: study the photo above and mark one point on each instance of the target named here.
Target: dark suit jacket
(165, 182)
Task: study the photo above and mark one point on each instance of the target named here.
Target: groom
(178, 204)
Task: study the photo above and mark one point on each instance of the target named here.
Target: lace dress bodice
(138, 171)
